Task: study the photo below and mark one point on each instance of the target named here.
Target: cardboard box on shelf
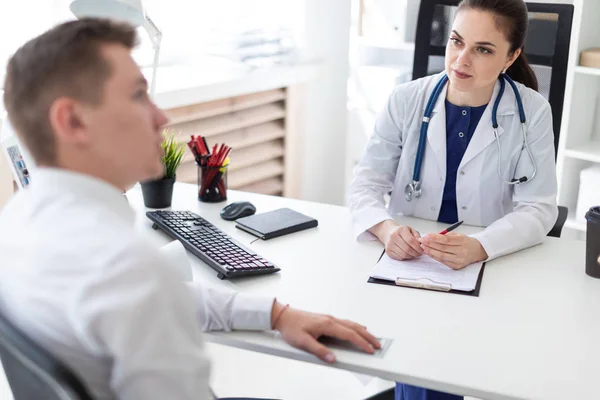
(590, 58)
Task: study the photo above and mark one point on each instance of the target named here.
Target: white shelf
(580, 137)
(587, 70)
(575, 224)
(588, 151)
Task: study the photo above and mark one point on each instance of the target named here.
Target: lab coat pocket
(509, 163)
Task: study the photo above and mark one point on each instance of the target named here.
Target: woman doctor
(477, 164)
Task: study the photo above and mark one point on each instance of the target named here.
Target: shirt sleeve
(222, 309)
(375, 174)
(219, 309)
(139, 315)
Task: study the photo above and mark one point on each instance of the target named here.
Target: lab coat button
(464, 207)
(462, 172)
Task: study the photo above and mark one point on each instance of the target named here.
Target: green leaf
(173, 153)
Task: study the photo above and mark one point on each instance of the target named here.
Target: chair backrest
(32, 372)
(546, 46)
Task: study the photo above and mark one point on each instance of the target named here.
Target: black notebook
(275, 223)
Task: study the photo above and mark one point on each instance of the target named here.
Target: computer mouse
(237, 209)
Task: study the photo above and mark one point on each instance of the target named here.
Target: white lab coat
(515, 216)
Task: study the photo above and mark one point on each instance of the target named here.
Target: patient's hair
(65, 61)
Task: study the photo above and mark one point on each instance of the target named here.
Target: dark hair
(64, 61)
(512, 19)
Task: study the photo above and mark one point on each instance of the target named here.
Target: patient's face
(126, 127)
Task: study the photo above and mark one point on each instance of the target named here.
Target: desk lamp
(131, 11)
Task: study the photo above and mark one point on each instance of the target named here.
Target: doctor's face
(477, 51)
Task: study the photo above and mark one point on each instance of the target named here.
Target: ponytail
(521, 71)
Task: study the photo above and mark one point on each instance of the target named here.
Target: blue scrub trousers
(407, 392)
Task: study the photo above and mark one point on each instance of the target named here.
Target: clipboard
(427, 285)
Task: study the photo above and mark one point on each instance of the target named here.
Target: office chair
(32, 372)
(546, 47)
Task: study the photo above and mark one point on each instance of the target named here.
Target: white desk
(533, 333)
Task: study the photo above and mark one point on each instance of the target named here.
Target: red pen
(451, 228)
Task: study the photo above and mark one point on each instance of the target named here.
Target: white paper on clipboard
(427, 273)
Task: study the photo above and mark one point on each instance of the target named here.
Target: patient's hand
(301, 329)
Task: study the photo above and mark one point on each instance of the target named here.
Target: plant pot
(158, 193)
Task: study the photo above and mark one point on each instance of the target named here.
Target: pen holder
(212, 184)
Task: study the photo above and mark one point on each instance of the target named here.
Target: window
(189, 27)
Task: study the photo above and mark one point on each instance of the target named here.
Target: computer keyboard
(224, 254)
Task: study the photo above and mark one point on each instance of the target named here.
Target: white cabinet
(579, 146)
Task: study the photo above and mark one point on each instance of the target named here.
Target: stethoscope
(414, 189)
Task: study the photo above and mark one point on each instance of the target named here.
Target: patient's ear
(67, 119)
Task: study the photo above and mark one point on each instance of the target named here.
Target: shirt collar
(84, 187)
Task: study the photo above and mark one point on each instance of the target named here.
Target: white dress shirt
(78, 279)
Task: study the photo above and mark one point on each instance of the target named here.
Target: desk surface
(533, 332)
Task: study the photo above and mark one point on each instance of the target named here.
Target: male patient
(74, 274)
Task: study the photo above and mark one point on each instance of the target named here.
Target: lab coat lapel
(436, 134)
(484, 133)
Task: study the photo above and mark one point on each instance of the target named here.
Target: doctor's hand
(301, 329)
(401, 242)
(453, 249)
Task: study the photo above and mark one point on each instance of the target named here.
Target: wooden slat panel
(229, 122)
(251, 156)
(187, 172)
(224, 106)
(295, 128)
(255, 174)
(273, 186)
(243, 138)
(254, 135)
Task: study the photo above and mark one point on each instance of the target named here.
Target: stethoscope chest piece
(412, 190)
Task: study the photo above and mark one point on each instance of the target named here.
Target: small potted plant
(158, 193)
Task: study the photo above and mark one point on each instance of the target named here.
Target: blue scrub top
(460, 126)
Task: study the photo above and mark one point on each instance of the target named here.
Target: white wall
(327, 35)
